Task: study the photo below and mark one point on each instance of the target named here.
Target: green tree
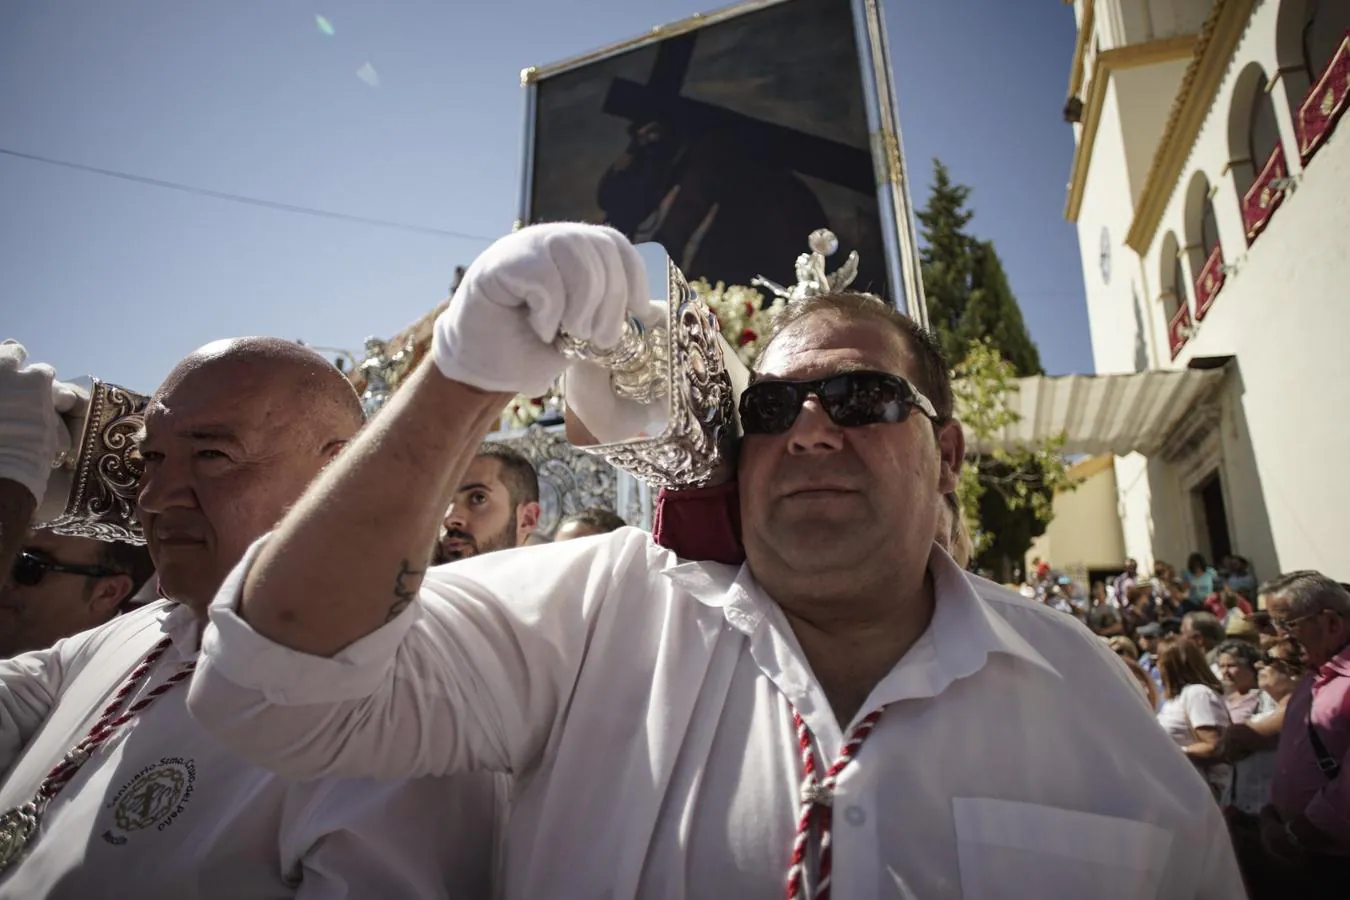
(947, 262)
(992, 313)
(1006, 495)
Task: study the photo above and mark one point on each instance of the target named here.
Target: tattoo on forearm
(405, 589)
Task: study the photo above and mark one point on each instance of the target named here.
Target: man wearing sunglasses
(110, 789)
(60, 586)
(846, 712)
(1304, 834)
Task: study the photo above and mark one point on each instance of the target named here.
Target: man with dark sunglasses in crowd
(847, 711)
(61, 585)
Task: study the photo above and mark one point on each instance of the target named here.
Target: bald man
(153, 807)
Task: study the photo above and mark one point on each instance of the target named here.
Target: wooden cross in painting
(718, 189)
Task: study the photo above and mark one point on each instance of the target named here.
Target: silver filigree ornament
(101, 475)
(570, 479)
(681, 362)
(812, 279)
(688, 361)
(17, 828)
(383, 372)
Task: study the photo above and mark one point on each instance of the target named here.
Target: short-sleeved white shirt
(643, 706)
(162, 811)
(1197, 706)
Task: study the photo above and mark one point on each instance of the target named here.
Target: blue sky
(120, 279)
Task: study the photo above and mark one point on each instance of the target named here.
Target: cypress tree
(969, 299)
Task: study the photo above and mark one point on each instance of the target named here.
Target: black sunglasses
(30, 567)
(851, 400)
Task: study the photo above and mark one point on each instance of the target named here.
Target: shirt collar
(182, 627)
(964, 631)
(1337, 665)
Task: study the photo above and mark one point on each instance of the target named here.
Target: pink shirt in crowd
(1300, 787)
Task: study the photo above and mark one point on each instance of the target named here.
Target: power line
(248, 201)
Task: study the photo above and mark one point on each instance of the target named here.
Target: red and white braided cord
(110, 720)
(817, 797)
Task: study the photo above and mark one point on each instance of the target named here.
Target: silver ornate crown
(92, 491)
(686, 363)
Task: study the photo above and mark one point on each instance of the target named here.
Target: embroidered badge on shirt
(153, 798)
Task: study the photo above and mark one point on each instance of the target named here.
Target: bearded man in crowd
(496, 506)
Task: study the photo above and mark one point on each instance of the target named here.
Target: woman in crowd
(1251, 745)
(1200, 578)
(1138, 609)
(1227, 604)
(1123, 647)
(1146, 684)
(1266, 635)
(1129, 654)
(1177, 601)
(1237, 662)
(1239, 577)
(1193, 712)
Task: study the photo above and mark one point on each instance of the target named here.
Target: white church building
(1210, 188)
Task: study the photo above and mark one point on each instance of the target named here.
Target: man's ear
(527, 520)
(108, 594)
(951, 441)
(331, 450)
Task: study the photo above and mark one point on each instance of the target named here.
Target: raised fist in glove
(32, 435)
(498, 332)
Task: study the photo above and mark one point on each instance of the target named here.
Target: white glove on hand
(32, 435)
(498, 331)
(591, 398)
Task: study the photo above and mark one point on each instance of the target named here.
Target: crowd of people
(1219, 656)
(356, 672)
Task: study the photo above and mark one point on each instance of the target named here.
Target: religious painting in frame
(728, 138)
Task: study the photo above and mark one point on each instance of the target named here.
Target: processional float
(726, 139)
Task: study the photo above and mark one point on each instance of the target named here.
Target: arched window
(1209, 227)
(1309, 34)
(1179, 281)
(1201, 228)
(1257, 159)
(1263, 129)
(1172, 282)
(1171, 276)
(1324, 27)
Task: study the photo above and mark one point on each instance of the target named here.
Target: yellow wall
(1086, 532)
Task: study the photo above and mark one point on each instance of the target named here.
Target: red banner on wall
(1262, 199)
(1209, 282)
(1179, 329)
(1320, 110)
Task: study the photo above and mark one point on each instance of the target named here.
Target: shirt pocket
(1020, 850)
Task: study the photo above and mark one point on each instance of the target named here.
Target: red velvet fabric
(702, 524)
(1179, 329)
(1261, 199)
(1209, 282)
(1326, 101)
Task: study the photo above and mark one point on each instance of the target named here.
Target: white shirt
(164, 811)
(643, 707)
(1197, 706)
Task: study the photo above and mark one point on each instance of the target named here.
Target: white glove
(32, 435)
(498, 331)
(591, 398)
